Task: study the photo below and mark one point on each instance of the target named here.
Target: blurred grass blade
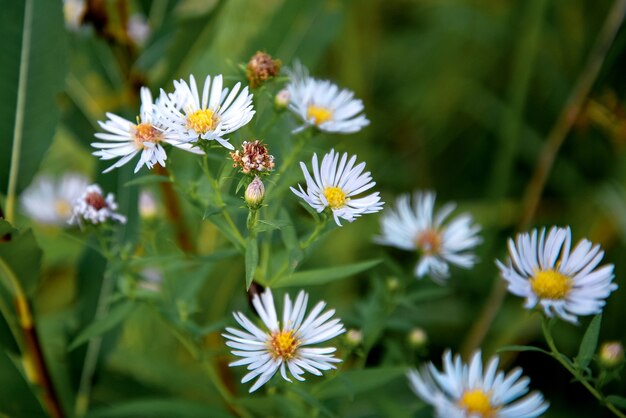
(252, 260)
(348, 384)
(589, 342)
(33, 43)
(322, 276)
(16, 398)
(115, 316)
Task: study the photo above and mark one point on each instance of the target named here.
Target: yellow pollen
(477, 402)
(62, 208)
(202, 121)
(146, 132)
(550, 284)
(319, 114)
(335, 196)
(284, 344)
(429, 241)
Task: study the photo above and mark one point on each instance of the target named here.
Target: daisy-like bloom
(322, 104)
(219, 113)
(284, 346)
(49, 201)
(466, 391)
(567, 283)
(126, 139)
(420, 227)
(94, 208)
(334, 185)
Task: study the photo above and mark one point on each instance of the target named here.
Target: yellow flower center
(202, 121)
(335, 196)
(477, 402)
(62, 208)
(319, 114)
(284, 344)
(550, 284)
(146, 132)
(428, 241)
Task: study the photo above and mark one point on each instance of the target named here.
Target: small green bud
(255, 193)
(354, 337)
(611, 354)
(417, 338)
(281, 101)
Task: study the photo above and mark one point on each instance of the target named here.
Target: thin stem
(556, 354)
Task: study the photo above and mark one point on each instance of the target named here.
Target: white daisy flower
(323, 105)
(421, 228)
(219, 113)
(334, 185)
(49, 201)
(125, 139)
(466, 391)
(566, 283)
(94, 208)
(284, 347)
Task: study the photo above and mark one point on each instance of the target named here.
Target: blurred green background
(461, 95)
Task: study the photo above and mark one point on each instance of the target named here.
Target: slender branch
(547, 156)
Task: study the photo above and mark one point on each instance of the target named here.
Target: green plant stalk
(20, 108)
(556, 354)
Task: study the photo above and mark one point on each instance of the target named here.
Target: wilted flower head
(49, 201)
(567, 283)
(260, 68)
(255, 193)
(253, 158)
(611, 354)
(94, 208)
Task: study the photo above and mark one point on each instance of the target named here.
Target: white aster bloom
(566, 283)
(94, 208)
(322, 104)
(334, 185)
(467, 391)
(439, 243)
(49, 201)
(217, 114)
(284, 346)
(126, 139)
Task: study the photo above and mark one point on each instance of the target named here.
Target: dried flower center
(428, 241)
(335, 197)
(146, 132)
(202, 121)
(319, 114)
(550, 284)
(476, 402)
(96, 201)
(284, 344)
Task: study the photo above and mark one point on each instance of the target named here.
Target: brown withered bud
(261, 68)
(254, 158)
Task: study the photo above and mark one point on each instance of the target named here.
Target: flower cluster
(92, 207)
(253, 158)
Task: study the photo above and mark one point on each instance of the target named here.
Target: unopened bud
(281, 101)
(255, 193)
(611, 354)
(393, 284)
(147, 205)
(417, 338)
(354, 337)
(260, 68)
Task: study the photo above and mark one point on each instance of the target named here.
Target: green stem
(556, 354)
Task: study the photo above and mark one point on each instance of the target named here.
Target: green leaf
(22, 256)
(16, 397)
(322, 276)
(151, 179)
(115, 316)
(159, 408)
(520, 348)
(590, 342)
(252, 259)
(616, 400)
(33, 44)
(350, 383)
(265, 225)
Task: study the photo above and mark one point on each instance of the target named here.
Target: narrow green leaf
(265, 225)
(348, 384)
(159, 408)
(590, 342)
(322, 276)
(520, 348)
(115, 316)
(252, 259)
(16, 397)
(616, 400)
(150, 179)
(22, 255)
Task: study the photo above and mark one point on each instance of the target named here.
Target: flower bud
(417, 338)
(255, 193)
(281, 101)
(393, 284)
(147, 205)
(611, 354)
(354, 337)
(260, 68)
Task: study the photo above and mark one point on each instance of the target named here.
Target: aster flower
(49, 201)
(253, 157)
(94, 208)
(466, 391)
(284, 346)
(334, 185)
(566, 283)
(420, 228)
(219, 113)
(322, 104)
(126, 139)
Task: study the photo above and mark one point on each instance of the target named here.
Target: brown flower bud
(261, 68)
(254, 158)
